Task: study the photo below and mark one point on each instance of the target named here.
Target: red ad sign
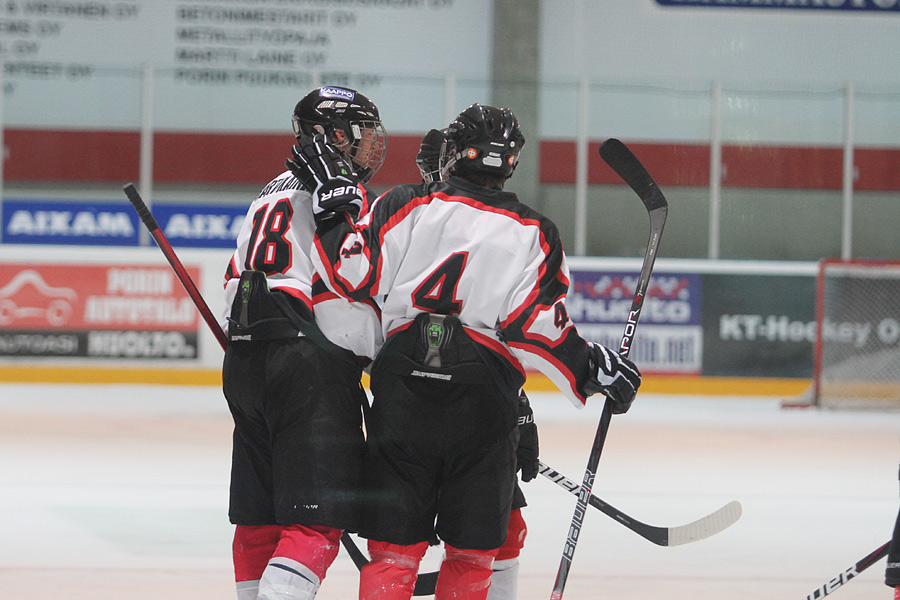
(129, 311)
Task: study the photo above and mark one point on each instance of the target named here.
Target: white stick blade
(708, 526)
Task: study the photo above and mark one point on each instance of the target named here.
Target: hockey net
(856, 361)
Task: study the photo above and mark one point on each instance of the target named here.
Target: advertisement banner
(758, 326)
(54, 222)
(200, 226)
(110, 311)
(96, 223)
(883, 6)
(669, 337)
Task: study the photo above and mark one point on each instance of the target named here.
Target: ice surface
(121, 491)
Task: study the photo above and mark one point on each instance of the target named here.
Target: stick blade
(629, 168)
(707, 526)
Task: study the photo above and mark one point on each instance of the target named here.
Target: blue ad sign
(200, 226)
(117, 224)
(669, 337)
(76, 222)
(848, 5)
(605, 297)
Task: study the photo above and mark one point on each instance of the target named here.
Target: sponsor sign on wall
(758, 326)
(54, 222)
(669, 338)
(116, 223)
(200, 226)
(215, 59)
(855, 5)
(112, 311)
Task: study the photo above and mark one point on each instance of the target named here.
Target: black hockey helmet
(486, 139)
(351, 123)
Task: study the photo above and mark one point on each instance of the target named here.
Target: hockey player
(892, 572)
(474, 284)
(292, 370)
(434, 161)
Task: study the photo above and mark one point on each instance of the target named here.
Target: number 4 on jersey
(437, 294)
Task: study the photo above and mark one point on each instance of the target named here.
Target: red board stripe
(237, 158)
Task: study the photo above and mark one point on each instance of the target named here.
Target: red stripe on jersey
(529, 300)
(324, 296)
(559, 366)
(550, 343)
(397, 330)
(331, 270)
(497, 347)
(232, 270)
(296, 294)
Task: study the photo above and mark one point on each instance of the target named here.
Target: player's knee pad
(516, 532)
(314, 547)
(251, 550)
(464, 574)
(392, 572)
(286, 579)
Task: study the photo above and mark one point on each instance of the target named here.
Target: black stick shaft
(849, 573)
(624, 162)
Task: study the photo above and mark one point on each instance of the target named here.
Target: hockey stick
(630, 169)
(153, 227)
(702, 528)
(849, 573)
(150, 223)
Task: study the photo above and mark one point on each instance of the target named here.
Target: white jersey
(457, 248)
(276, 238)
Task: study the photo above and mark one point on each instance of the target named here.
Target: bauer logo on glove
(326, 174)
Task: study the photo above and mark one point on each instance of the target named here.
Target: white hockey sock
(286, 579)
(504, 580)
(247, 590)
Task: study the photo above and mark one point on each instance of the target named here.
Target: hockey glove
(325, 173)
(615, 376)
(429, 157)
(527, 450)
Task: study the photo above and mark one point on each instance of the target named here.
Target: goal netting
(857, 348)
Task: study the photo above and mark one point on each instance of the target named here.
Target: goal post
(856, 354)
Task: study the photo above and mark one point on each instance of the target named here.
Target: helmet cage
(435, 158)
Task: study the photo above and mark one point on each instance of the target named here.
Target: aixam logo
(70, 223)
(27, 296)
(336, 92)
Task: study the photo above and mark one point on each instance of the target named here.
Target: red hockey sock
(252, 548)
(515, 536)
(392, 572)
(312, 546)
(464, 574)
(897, 593)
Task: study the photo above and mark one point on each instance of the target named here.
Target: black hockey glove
(429, 157)
(326, 174)
(527, 451)
(614, 375)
